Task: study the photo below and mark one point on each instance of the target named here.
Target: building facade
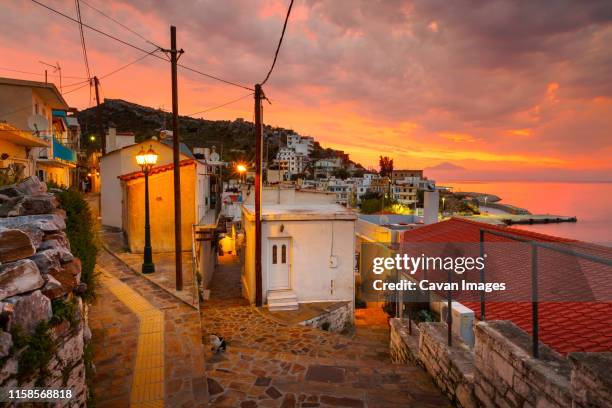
(39, 108)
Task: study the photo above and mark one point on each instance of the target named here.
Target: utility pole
(258, 183)
(178, 242)
(101, 133)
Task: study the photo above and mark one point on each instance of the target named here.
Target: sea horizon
(589, 202)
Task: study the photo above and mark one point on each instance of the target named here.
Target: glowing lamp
(147, 159)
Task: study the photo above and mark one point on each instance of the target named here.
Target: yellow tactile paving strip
(148, 382)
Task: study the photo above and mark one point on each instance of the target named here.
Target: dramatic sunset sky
(497, 89)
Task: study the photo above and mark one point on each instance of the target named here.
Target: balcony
(62, 152)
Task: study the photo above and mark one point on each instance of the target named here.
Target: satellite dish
(38, 123)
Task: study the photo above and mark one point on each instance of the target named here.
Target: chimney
(430, 207)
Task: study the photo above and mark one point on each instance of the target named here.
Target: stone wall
(507, 374)
(335, 318)
(500, 371)
(589, 387)
(452, 368)
(404, 347)
(40, 307)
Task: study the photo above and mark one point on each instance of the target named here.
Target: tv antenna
(56, 68)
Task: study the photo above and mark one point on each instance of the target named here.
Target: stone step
(282, 300)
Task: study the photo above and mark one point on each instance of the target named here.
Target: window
(284, 254)
(274, 255)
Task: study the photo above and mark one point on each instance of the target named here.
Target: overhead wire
(39, 73)
(129, 64)
(120, 23)
(139, 48)
(82, 35)
(280, 42)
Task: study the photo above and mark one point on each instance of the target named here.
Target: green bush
(81, 234)
(64, 310)
(37, 352)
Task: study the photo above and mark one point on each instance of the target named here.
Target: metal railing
(534, 278)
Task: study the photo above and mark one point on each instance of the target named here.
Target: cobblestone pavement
(268, 364)
(123, 325)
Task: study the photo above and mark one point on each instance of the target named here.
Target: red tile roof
(565, 326)
(155, 170)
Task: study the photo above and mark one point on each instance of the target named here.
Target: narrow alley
(269, 364)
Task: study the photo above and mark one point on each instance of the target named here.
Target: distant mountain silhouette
(446, 166)
(235, 139)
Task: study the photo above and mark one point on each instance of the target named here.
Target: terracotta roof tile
(565, 326)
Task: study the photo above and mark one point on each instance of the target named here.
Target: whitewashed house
(308, 250)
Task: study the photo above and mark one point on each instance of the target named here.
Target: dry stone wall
(42, 317)
(500, 371)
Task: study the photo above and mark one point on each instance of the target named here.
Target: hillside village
(264, 300)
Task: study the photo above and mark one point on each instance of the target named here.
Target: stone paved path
(268, 364)
(132, 321)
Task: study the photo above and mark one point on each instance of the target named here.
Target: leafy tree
(386, 166)
(341, 173)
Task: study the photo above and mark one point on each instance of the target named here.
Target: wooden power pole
(178, 242)
(101, 133)
(258, 184)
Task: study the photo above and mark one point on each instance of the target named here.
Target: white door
(278, 263)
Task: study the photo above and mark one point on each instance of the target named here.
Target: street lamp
(241, 169)
(146, 160)
(485, 200)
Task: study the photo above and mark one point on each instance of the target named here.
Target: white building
(39, 108)
(289, 160)
(326, 167)
(303, 145)
(295, 225)
(118, 140)
(343, 189)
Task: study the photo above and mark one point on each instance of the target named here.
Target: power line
(214, 77)
(38, 73)
(76, 89)
(90, 27)
(76, 83)
(82, 35)
(280, 42)
(222, 105)
(139, 48)
(130, 63)
(119, 23)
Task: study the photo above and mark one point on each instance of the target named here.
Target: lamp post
(146, 160)
(241, 169)
(485, 200)
(443, 200)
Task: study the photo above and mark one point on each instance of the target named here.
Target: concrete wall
(59, 175)
(311, 276)
(18, 155)
(207, 262)
(248, 271)
(284, 195)
(116, 164)
(336, 319)
(161, 198)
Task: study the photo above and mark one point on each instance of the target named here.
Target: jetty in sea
(513, 219)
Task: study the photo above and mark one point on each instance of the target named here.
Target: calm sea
(591, 203)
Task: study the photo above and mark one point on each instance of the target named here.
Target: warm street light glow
(241, 168)
(92, 138)
(147, 159)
